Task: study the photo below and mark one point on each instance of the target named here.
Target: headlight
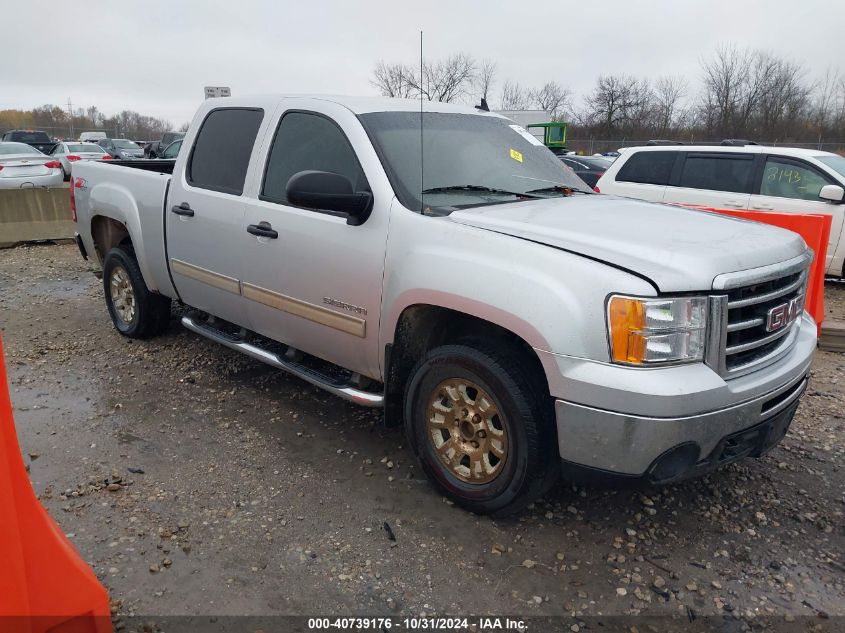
(654, 331)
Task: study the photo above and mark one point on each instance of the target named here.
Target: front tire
(135, 311)
(482, 427)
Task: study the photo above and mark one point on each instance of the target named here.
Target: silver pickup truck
(446, 266)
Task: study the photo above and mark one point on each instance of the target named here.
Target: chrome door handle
(734, 204)
(762, 207)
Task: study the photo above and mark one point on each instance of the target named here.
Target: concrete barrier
(28, 215)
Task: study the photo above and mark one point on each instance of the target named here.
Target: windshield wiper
(561, 189)
(479, 188)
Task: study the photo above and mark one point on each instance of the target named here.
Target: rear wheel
(483, 430)
(135, 311)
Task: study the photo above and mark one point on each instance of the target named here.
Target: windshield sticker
(528, 136)
(517, 156)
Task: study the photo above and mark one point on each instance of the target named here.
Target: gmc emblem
(785, 314)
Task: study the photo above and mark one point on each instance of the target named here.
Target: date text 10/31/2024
(479, 625)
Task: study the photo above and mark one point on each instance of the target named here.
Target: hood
(678, 249)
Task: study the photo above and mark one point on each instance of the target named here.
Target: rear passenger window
(222, 149)
(725, 172)
(650, 168)
(309, 142)
(785, 179)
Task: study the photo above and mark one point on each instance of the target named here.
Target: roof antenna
(422, 169)
(483, 106)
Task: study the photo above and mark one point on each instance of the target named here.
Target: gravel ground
(197, 481)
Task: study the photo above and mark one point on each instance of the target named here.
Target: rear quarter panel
(136, 199)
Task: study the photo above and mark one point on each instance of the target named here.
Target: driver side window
(306, 141)
(787, 179)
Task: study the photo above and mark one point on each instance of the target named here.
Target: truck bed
(160, 165)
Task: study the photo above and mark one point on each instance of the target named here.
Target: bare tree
(617, 102)
(445, 80)
(485, 77)
(514, 96)
(725, 79)
(824, 105)
(669, 92)
(94, 116)
(552, 98)
(784, 97)
(393, 80)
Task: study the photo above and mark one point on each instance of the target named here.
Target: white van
(751, 177)
(92, 137)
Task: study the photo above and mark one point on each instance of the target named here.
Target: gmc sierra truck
(444, 265)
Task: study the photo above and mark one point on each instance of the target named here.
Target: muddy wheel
(483, 430)
(135, 311)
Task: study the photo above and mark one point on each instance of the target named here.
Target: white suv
(752, 177)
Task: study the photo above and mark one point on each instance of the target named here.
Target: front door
(791, 185)
(314, 281)
(206, 210)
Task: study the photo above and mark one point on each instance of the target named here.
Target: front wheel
(482, 429)
(135, 311)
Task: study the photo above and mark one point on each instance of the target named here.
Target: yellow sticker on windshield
(517, 156)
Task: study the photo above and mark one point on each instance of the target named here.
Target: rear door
(205, 211)
(792, 185)
(720, 180)
(644, 175)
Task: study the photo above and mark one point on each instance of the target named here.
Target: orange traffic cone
(45, 587)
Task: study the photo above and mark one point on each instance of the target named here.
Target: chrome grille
(744, 340)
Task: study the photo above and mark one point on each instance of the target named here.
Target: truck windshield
(30, 137)
(469, 160)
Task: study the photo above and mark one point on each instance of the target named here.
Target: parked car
(121, 148)
(172, 150)
(22, 165)
(92, 137)
(35, 138)
(68, 152)
(587, 168)
(755, 177)
(512, 320)
(155, 149)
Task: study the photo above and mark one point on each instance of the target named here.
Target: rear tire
(482, 428)
(135, 311)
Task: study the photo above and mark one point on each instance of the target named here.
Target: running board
(348, 392)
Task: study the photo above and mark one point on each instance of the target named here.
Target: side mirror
(832, 193)
(327, 191)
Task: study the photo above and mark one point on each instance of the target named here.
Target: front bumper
(667, 424)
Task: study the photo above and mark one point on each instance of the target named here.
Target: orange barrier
(45, 587)
(814, 228)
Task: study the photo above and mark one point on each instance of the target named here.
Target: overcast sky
(155, 56)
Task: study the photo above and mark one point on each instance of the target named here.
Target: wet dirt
(197, 481)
